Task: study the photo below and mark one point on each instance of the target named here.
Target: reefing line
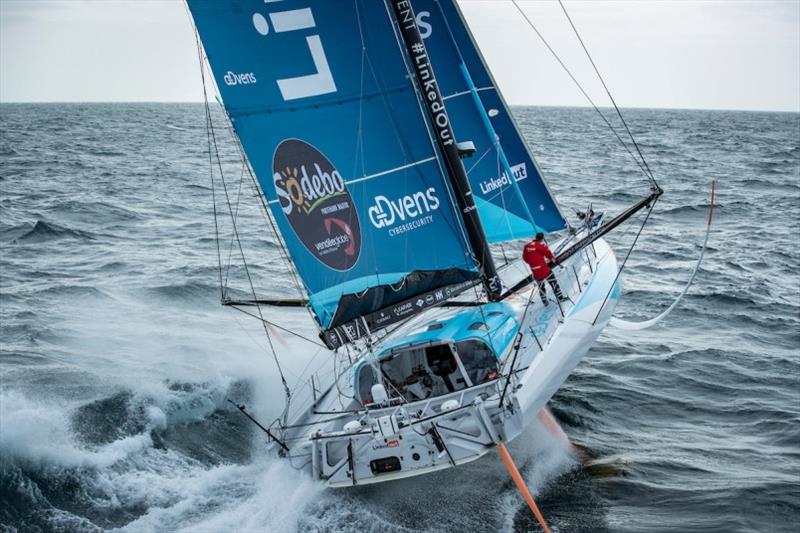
(633, 326)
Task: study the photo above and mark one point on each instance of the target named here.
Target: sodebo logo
(245, 78)
(304, 190)
(404, 214)
(317, 204)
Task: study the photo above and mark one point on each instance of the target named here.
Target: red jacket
(536, 254)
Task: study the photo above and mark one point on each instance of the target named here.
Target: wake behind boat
(387, 163)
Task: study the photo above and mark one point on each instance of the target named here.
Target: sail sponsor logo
(404, 214)
(298, 21)
(314, 198)
(246, 78)
(496, 184)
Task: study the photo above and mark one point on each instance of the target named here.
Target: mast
(437, 113)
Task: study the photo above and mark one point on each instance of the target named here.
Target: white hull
(417, 438)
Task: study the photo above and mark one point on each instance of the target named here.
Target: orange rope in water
(521, 486)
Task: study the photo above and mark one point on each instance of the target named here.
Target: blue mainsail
(321, 100)
(508, 209)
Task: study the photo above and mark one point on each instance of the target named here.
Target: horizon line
(646, 108)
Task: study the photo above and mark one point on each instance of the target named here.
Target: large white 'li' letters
(321, 82)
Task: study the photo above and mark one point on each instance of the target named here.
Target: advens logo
(317, 204)
(246, 78)
(404, 214)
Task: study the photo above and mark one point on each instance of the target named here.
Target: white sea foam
(39, 434)
(265, 495)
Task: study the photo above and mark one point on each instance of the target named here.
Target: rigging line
(519, 344)
(277, 326)
(212, 137)
(626, 325)
(265, 211)
(283, 251)
(503, 202)
(308, 364)
(608, 92)
(360, 155)
(244, 260)
(236, 216)
(514, 122)
(580, 87)
(230, 207)
(258, 193)
(210, 164)
(472, 167)
(624, 261)
(256, 342)
(340, 395)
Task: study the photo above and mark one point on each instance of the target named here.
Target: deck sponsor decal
(313, 196)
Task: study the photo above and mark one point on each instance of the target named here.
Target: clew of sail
(508, 209)
(320, 98)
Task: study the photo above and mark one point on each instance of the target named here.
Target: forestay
(506, 211)
(321, 100)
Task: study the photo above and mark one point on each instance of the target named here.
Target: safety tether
(631, 326)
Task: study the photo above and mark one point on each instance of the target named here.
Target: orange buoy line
(521, 486)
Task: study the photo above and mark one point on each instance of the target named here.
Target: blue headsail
(508, 209)
(320, 97)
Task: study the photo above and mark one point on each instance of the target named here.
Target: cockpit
(415, 373)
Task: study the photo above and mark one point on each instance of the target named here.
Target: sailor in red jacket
(538, 256)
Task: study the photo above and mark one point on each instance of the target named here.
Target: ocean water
(116, 358)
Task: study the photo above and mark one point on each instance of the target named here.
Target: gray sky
(679, 54)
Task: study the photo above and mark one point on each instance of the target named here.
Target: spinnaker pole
(434, 104)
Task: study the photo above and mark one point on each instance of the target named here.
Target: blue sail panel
(479, 114)
(318, 94)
